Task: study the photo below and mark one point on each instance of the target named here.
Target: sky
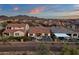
(40, 10)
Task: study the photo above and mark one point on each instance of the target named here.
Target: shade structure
(61, 35)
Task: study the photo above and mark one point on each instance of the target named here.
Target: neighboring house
(2, 21)
(76, 25)
(39, 32)
(16, 29)
(60, 31)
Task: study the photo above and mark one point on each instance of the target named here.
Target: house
(2, 21)
(16, 29)
(60, 31)
(76, 25)
(39, 32)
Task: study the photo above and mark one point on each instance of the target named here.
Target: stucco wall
(20, 33)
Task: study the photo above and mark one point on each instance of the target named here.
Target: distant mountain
(69, 17)
(20, 17)
(25, 17)
(4, 17)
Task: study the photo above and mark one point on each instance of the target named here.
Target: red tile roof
(39, 30)
(16, 25)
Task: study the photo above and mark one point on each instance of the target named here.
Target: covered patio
(62, 36)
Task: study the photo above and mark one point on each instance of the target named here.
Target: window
(31, 34)
(74, 34)
(6, 34)
(38, 34)
(17, 34)
(46, 34)
(19, 28)
(8, 27)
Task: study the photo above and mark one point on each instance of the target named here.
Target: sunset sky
(40, 10)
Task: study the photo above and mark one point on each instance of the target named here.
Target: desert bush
(42, 49)
(67, 50)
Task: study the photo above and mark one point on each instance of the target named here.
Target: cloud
(37, 10)
(76, 7)
(68, 14)
(73, 12)
(15, 8)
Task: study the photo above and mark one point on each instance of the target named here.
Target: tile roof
(39, 29)
(16, 25)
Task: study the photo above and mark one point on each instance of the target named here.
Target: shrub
(42, 49)
(67, 50)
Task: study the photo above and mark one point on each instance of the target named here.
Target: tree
(25, 38)
(11, 38)
(42, 49)
(4, 24)
(18, 38)
(4, 39)
(22, 38)
(67, 50)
